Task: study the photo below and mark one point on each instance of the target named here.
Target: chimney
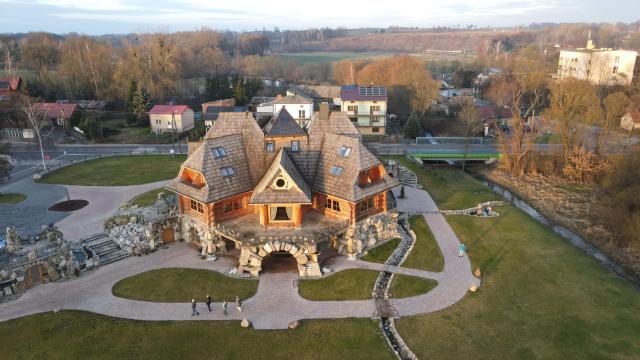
(324, 111)
(279, 96)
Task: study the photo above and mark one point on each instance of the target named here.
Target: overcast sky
(124, 16)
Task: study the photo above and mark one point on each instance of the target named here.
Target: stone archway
(306, 257)
(278, 262)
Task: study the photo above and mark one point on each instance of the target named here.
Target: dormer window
(227, 171)
(345, 151)
(218, 152)
(336, 170)
(295, 145)
(271, 146)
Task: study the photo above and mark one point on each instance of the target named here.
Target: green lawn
(12, 198)
(330, 56)
(149, 198)
(351, 284)
(548, 139)
(80, 335)
(541, 298)
(426, 254)
(181, 284)
(381, 253)
(404, 286)
(117, 171)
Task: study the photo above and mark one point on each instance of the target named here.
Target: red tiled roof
(56, 110)
(168, 109)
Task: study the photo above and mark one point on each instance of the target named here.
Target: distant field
(329, 57)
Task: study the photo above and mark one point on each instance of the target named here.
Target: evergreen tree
(142, 105)
(413, 128)
(128, 101)
(240, 91)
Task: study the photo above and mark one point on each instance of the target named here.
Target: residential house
(329, 94)
(223, 103)
(366, 106)
(631, 120)
(284, 190)
(58, 113)
(171, 118)
(8, 85)
(211, 110)
(599, 66)
(300, 108)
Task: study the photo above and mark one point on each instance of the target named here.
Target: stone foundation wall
(306, 257)
(367, 234)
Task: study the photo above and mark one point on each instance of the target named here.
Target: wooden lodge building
(284, 189)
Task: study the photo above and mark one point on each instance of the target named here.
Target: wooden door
(168, 235)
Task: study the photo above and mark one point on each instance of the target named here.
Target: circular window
(280, 183)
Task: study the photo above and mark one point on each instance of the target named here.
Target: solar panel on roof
(373, 91)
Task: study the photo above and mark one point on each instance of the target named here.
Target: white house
(166, 118)
(300, 108)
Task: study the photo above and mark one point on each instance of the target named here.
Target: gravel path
(276, 303)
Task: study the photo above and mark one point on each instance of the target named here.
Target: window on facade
(376, 119)
(336, 170)
(332, 205)
(228, 207)
(237, 205)
(366, 205)
(352, 108)
(227, 171)
(375, 129)
(197, 206)
(615, 69)
(301, 114)
(271, 147)
(218, 152)
(344, 151)
(375, 108)
(295, 145)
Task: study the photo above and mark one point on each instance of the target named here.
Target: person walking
(238, 305)
(209, 302)
(194, 311)
(461, 250)
(224, 308)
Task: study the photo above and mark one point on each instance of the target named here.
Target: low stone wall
(366, 234)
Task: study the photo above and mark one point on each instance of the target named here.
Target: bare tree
(38, 123)
(527, 93)
(615, 105)
(468, 117)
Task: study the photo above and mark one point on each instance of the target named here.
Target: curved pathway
(276, 303)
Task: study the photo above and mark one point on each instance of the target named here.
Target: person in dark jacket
(193, 308)
(209, 302)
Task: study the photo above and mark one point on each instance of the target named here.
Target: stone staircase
(105, 248)
(408, 178)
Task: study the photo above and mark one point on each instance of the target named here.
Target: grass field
(117, 171)
(548, 139)
(181, 284)
(149, 198)
(351, 284)
(12, 198)
(404, 286)
(381, 253)
(426, 254)
(80, 335)
(540, 298)
(329, 57)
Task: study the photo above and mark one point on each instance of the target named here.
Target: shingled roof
(345, 185)
(299, 193)
(283, 124)
(217, 186)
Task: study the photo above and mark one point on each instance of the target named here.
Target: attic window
(336, 170)
(227, 171)
(345, 151)
(271, 147)
(295, 145)
(218, 152)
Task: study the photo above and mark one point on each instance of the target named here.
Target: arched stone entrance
(305, 255)
(280, 261)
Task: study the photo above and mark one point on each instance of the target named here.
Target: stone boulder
(245, 323)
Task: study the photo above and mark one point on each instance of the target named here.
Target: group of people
(208, 301)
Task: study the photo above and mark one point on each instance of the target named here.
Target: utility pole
(173, 125)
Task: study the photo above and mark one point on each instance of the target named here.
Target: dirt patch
(574, 207)
(69, 205)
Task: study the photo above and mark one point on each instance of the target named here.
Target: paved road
(27, 159)
(276, 303)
